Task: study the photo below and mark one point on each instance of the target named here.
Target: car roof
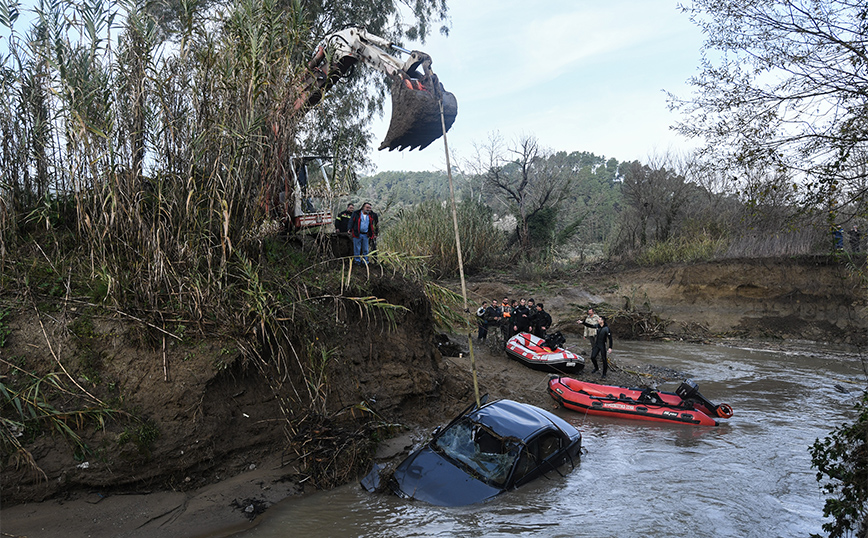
(513, 419)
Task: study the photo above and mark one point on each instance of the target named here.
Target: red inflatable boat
(545, 355)
(685, 406)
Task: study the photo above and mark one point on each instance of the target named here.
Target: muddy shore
(232, 504)
(218, 463)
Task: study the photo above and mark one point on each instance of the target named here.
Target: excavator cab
(304, 197)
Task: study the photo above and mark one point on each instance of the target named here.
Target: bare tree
(656, 194)
(525, 178)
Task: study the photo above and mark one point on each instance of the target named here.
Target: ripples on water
(751, 476)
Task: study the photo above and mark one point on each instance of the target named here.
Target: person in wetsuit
(603, 333)
(520, 318)
(541, 321)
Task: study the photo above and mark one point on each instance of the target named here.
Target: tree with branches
(783, 91)
(525, 178)
(783, 86)
(656, 196)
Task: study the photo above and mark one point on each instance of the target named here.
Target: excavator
(418, 100)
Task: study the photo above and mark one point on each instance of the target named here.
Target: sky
(579, 75)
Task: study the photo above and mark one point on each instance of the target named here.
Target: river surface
(751, 476)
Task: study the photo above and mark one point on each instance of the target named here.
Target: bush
(843, 458)
(683, 250)
(428, 230)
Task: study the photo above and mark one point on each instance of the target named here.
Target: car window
(478, 450)
(536, 451)
(549, 443)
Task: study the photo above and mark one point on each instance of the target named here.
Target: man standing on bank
(541, 321)
(855, 239)
(363, 227)
(603, 333)
(342, 223)
(594, 320)
(520, 318)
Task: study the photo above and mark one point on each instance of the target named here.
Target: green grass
(428, 231)
(142, 436)
(683, 250)
(28, 409)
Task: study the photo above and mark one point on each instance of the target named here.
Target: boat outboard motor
(554, 341)
(688, 390)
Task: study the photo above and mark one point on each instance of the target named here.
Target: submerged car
(483, 452)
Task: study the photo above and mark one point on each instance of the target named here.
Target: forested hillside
(560, 207)
(586, 213)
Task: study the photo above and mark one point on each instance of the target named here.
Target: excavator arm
(416, 96)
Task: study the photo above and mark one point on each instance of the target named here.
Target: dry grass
(428, 231)
(137, 175)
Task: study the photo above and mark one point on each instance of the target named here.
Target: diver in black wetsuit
(603, 332)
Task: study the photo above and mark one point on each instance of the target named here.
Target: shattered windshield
(482, 451)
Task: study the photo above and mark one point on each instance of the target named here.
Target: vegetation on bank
(841, 460)
(139, 140)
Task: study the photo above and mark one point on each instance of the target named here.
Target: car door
(543, 453)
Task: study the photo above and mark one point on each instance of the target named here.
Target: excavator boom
(416, 96)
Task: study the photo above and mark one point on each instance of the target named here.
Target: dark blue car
(486, 451)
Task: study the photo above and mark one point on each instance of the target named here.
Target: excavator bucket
(416, 99)
(416, 117)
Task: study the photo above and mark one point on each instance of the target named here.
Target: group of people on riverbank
(854, 235)
(512, 317)
(526, 315)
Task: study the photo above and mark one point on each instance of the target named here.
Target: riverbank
(231, 504)
(219, 462)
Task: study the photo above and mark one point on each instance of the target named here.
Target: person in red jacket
(363, 227)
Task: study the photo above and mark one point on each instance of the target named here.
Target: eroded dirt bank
(811, 298)
(216, 455)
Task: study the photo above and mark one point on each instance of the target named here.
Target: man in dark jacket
(603, 333)
(495, 315)
(342, 222)
(855, 239)
(541, 321)
(363, 227)
(520, 318)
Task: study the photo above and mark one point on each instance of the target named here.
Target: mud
(810, 298)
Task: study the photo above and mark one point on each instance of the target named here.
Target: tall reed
(428, 230)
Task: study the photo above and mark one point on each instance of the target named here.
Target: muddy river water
(751, 476)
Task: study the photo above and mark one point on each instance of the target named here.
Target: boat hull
(526, 349)
(628, 403)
